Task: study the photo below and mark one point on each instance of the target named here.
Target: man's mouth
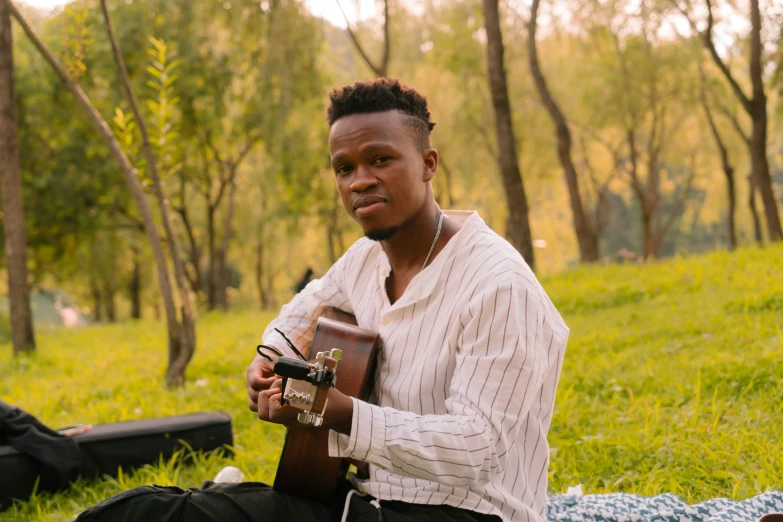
(368, 205)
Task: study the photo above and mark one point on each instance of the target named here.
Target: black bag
(30, 452)
(107, 447)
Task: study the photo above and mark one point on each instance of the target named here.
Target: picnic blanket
(626, 507)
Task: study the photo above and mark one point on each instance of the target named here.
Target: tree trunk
(731, 216)
(333, 236)
(728, 170)
(97, 299)
(586, 236)
(758, 138)
(447, 182)
(518, 224)
(763, 180)
(128, 172)
(212, 290)
(650, 249)
(757, 234)
(263, 298)
(222, 295)
(134, 288)
(22, 336)
(182, 352)
(330, 242)
(197, 282)
(110, 293)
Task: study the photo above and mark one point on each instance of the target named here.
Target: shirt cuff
(368, 433)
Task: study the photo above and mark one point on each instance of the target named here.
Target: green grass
(673, 381)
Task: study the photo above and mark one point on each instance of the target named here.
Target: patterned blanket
(625, 507)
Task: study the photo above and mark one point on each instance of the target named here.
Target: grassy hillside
(673, 381)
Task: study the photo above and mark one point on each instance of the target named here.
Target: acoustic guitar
(305, 468)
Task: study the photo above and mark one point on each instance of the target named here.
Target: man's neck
(407, 249)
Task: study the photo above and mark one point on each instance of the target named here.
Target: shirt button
(384, 321)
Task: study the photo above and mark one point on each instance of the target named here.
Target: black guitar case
(107, 447)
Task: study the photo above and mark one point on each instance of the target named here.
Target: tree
(518, 222)
(177, 336)
(586, 235)
(598, 198)
(22, 335)
(643, 102)
(731, 116)
(180, 355)
(754, 105)
(728, 169)
(649, 130)
(380, 70)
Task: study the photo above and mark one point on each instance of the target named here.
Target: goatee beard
(382, 234)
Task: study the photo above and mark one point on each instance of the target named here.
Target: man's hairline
(407, 116)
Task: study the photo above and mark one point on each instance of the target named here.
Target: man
(471, 345)
(471, 349)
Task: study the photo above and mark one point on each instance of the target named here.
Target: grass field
(673, 381)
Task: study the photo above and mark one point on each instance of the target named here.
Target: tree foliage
(234, 95)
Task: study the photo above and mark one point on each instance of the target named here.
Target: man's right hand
(260, 376)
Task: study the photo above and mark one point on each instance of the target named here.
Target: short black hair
(383, 94)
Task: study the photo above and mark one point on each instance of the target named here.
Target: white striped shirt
(466, 376)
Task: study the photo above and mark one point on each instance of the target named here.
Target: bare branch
(684, 13)
(680, 203)
(386, 39)
(711, 120)
(756, 50)
(249, 145)
(707, 38)
(586, 162)
(378, 71)
(633, 172)
(734, 121)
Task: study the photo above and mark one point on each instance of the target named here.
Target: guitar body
(305, 468)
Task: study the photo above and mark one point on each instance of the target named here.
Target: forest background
(652, 106)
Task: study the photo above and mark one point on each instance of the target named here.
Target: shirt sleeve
(501, 359)
(298, 318)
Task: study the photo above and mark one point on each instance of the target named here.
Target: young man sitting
(471, 344)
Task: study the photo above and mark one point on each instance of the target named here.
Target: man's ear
(430, 157)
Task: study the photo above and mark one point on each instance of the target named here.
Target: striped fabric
(469, 363)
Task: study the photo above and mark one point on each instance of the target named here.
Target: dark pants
(256, 502)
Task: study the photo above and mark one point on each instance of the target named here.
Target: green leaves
(162, 106)
(76, 37)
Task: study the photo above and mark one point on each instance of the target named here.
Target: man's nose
(363, 179)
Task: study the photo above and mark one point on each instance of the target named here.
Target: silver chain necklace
(434, 241)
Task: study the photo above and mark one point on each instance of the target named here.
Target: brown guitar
(305, 468)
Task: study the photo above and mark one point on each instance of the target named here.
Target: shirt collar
(426, 282)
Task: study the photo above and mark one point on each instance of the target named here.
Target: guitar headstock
(306, 384)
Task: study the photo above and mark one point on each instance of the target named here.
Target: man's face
(381, 170)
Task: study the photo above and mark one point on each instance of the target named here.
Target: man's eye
(381, 160)
(344, 169)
